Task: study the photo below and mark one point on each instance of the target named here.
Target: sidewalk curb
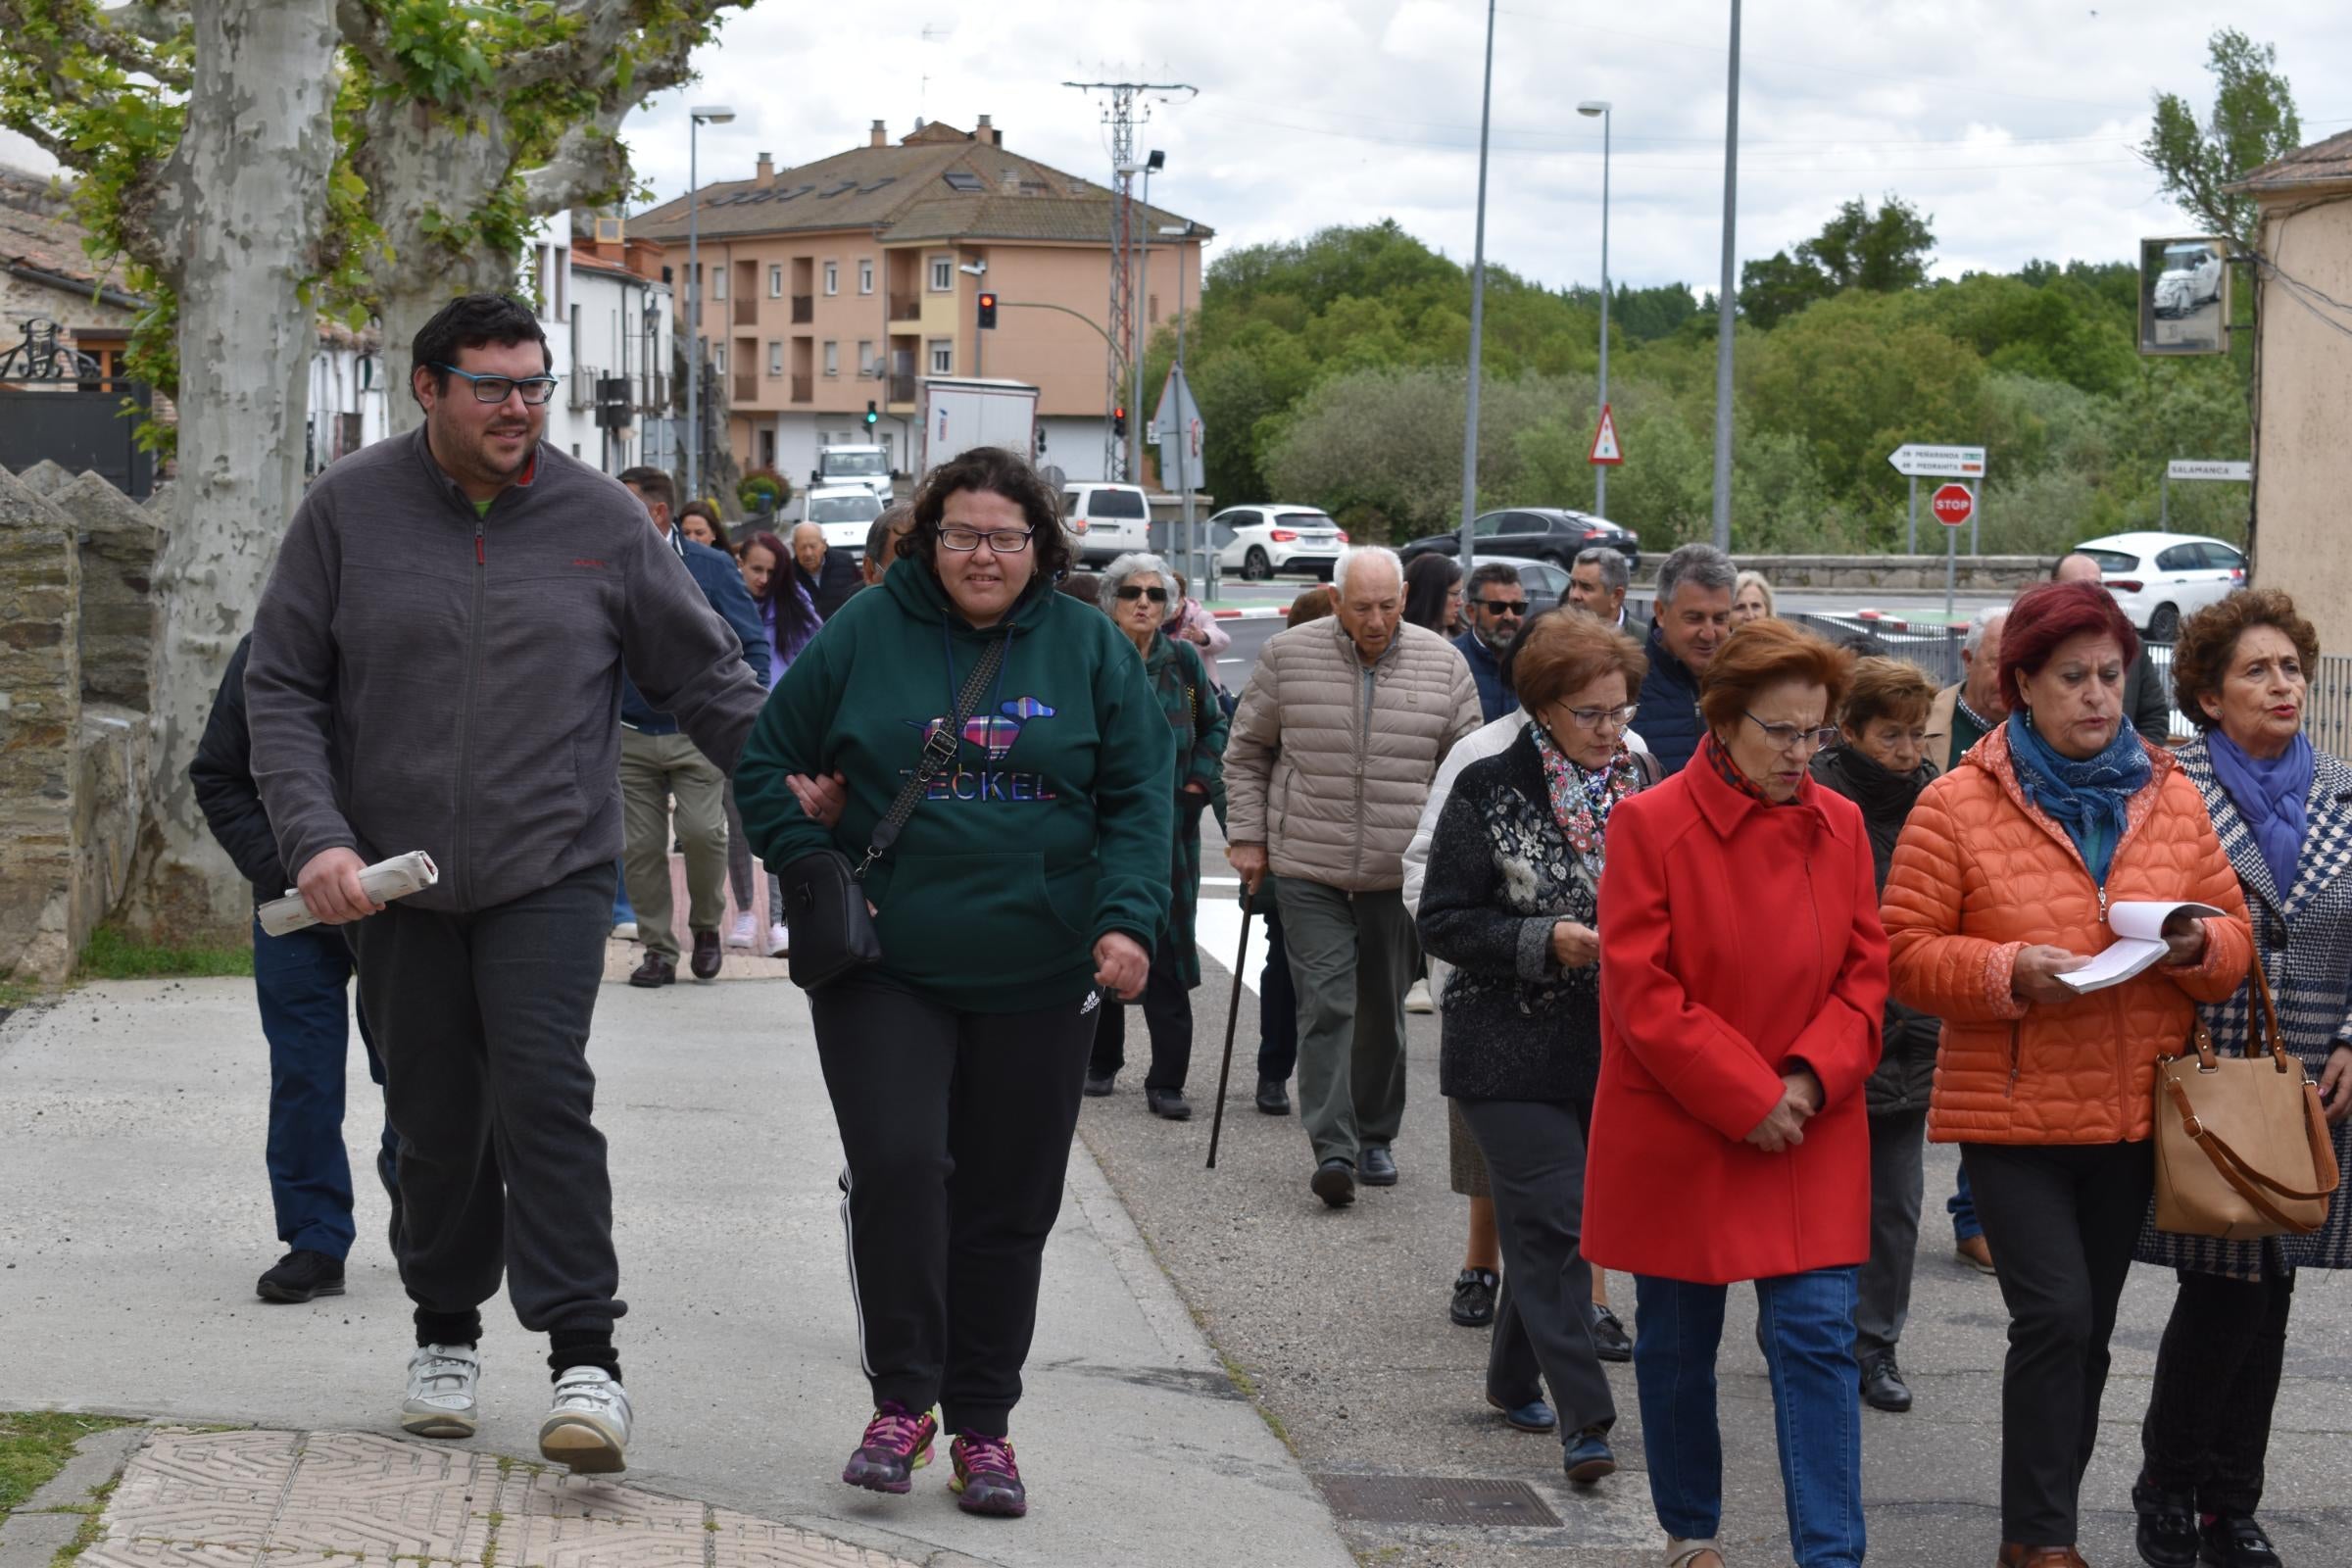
(1253, 613)
(49, 1519)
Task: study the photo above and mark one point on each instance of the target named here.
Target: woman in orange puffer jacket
(2000, 884)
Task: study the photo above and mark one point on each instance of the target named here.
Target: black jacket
(1907, 1070)
(1668, 721)
(222, 777)
(1517, 1026)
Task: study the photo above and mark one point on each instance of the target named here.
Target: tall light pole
(1724, 298)
(1150, 165)
(1478, 304)
(1600, 471)
(698, 116)
(1202, 570)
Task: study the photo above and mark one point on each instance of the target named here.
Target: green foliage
(111, 955)
(1881, 252)
(763, 490)
(2253, 122)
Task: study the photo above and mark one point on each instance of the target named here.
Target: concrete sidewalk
(131, 1120)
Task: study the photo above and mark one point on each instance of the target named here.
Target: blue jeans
(1808, 1334)
(1962, 1206)
(622, 914)
(301, 980)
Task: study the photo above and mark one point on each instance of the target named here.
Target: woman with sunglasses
(1743, 989)
(1136, 592)
(1025, 892)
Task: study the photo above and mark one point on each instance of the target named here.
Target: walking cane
(1232, 1018)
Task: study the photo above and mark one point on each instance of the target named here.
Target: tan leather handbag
(2242, 1148)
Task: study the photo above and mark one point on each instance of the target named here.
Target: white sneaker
(442, 1379)
(739, 934)
(624, 931)
(779, 942)
(1417, 999)
(588, 1429)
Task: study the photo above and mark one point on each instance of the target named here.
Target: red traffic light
(988, 309)
(1119, 419)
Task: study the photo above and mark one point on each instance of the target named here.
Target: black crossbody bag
(832, 930)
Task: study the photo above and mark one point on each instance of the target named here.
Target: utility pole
(1724, 299)
(1119, 325)
(1478, 306)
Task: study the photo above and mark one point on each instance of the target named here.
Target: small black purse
(832, 929)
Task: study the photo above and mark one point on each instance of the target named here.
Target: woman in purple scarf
(2241, 671)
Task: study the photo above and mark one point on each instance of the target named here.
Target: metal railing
(2328, 712)
(902, 388)
(803, 309)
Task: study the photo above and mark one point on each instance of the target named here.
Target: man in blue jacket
(1494, 604)
(1691, 618)
(656, 764)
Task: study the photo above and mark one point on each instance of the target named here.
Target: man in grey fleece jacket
(437, 666)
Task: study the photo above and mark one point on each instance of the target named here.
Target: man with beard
(437, 666)
(1495, 607)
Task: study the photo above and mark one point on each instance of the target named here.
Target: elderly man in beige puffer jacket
(1332, 755)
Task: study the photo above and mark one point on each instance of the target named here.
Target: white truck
(963, 412)
(865, 467)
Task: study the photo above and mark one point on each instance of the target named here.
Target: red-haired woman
(1743, 984)
(2000, 885)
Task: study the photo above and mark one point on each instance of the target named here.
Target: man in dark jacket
(1694, 617)
(657, 763)
(436, 665)
(2146, 698)
(832, 576)
(300, 979)
(1495, 607)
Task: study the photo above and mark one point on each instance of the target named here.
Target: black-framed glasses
(1502, 606)
(1002, 541)
(536, 389)
(1595, 717)
(1788, 737)
(1135, 590)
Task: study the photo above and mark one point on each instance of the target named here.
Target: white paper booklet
(2139, 927)
(385, 880)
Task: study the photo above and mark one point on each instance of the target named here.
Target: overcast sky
(2011, 123)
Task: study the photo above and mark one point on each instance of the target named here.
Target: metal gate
(60, 405)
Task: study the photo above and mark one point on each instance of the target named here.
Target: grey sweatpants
(482, 1022)
(1353, 958)
(1882, 1294)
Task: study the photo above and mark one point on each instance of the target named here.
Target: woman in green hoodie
(1026, 891)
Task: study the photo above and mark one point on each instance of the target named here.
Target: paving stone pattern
(296, 1499)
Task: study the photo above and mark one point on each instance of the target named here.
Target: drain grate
(1436, 1501)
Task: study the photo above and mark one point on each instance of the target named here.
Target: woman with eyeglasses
(2000, 888)
(1136, 591)
(1511, 898)
(1742, 983)
(1027, 888)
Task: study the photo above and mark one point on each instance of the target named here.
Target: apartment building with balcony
(842, 282)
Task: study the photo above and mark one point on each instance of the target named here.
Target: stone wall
(73, 762)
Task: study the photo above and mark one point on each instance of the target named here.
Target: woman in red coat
(1744, 980)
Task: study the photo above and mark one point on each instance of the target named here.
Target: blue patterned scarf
(2272, 795)
(2090, 799)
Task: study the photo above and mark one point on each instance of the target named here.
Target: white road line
(1217, 928)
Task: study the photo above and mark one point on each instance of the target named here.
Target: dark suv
(1541, 533)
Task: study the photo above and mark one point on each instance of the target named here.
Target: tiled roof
(2322, 162)
(35, 240)
(903, 192)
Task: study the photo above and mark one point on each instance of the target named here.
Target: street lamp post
(1202, 570)
(1600, 471)
(1725, 298)
(1150, 165)
(698, 117)
(1478, 302)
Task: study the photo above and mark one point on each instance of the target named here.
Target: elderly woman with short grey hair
(1137, 592)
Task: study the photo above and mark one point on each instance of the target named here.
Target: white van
(865, 465)
(1105, 521)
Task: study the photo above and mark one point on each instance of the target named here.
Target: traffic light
(988, 309)
(873, 416)
(1119, 419)
(1040, 438)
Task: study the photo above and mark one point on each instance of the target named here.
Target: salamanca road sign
(1939, 463)
(2192, 469)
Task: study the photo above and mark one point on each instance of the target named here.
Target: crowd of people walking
(1723, 924)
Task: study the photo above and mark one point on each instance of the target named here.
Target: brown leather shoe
(655, 970)
(707, 954)
(2013, 1556)
(1976, 1253)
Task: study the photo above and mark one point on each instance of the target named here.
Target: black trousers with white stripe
(957, 1127)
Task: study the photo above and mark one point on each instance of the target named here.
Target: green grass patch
(34, 1444)
(111, 955)
(93, 1524)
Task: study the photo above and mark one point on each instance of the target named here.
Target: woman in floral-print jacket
(1511, 898)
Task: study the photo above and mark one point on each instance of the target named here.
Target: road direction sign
(1939, 463)
(1604, 439)
(2194, 468)
(1952, 504)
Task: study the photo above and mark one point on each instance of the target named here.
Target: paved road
(1337, 1321)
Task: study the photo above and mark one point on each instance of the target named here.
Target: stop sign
(1952, 504)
